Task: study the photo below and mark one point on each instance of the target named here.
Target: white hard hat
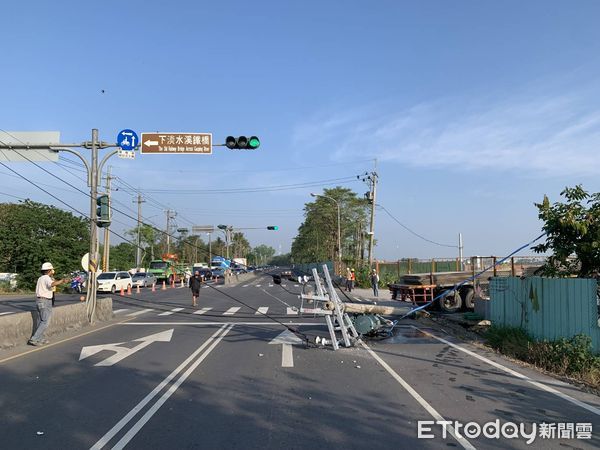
(47, 266)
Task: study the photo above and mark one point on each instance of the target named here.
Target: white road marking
(542, 386)
(212, 324)
(461, 440)
(103, 441)
(173, 311)
(245, 285)
(262, 310)
(202, 311)
(120, 352)
(5, 313)
(258, 285)
(270, 285)
(232, 311)
(296, 285)
(356, 298)
(290, 312)
(286, 339)
(137, 313)
(119, 311)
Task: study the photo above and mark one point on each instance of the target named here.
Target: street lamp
(338, 222)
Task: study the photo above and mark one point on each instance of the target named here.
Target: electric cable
(414, 232)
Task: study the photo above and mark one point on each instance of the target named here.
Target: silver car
(143, 279)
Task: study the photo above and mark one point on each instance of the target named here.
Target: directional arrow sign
(287, 339)
(124, 352)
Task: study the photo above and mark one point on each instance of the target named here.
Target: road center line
(537, 384)
(131, 414)
(437, 416)
(146, 417)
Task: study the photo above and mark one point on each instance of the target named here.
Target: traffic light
(242, 143)
(273, 227)
(103, 211)
(222, 227)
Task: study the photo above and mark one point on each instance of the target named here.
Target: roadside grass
(572, 357)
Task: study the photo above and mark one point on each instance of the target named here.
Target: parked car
(113, 281)
(143, 279)
(219, 273)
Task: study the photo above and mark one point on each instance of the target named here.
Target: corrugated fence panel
(547, 308)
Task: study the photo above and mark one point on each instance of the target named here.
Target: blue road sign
(127, 139)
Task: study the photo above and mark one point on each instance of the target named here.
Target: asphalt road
(210, 377)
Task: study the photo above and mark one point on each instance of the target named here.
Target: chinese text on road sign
(182, 143)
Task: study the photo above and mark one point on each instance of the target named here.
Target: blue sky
(473, 110)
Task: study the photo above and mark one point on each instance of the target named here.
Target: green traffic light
(253, 142)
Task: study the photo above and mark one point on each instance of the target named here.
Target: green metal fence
(307, 268)
(547, 308)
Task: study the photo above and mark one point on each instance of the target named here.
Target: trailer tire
(468, 296)
(451, 303)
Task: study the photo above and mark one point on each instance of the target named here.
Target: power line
(414, 232)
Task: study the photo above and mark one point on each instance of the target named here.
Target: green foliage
(318, 234)
(566, 356)
(122, 256)
(280, 260)
(573, 233)
(260, 255)
(32, 233)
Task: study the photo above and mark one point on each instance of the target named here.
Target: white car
(113, 281)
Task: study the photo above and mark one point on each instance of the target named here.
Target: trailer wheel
(451, 302)
(468, 295)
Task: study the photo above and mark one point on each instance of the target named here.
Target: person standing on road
(195, 285)
(44, 294)
(348, 279)
(375, 282)
(351, 280)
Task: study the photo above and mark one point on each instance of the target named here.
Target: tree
(261, 254)
(317, 235)
(572, 233)
(122, 256)
(149, 240)
(32, 233)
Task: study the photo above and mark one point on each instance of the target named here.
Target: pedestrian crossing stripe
(290, 311)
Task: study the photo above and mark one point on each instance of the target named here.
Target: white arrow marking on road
(287, 339)
(124, 352)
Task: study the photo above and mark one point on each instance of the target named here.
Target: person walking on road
(44, 295)
(375, 282)
(195, 285)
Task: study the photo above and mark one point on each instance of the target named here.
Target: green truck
(167, 269)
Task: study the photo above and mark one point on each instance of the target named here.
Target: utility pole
(460, 250)
(169, 217)
(372, 198)
(138, 253)
(106, 253)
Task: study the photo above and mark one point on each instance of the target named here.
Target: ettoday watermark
(505, 430)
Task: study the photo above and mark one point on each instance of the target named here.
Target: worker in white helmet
(43, 300)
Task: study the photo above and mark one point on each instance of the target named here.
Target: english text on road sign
(177, 143)
(127, 139)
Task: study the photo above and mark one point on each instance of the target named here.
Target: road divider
(16, 329)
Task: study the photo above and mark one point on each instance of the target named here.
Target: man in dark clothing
(195, 284)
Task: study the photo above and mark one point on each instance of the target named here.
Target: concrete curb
(239, 278)
(16, 329)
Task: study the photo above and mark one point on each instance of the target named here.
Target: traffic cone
(164, 288)
(122, 291)
(128, 289)
(137, 290)
(153, 287)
